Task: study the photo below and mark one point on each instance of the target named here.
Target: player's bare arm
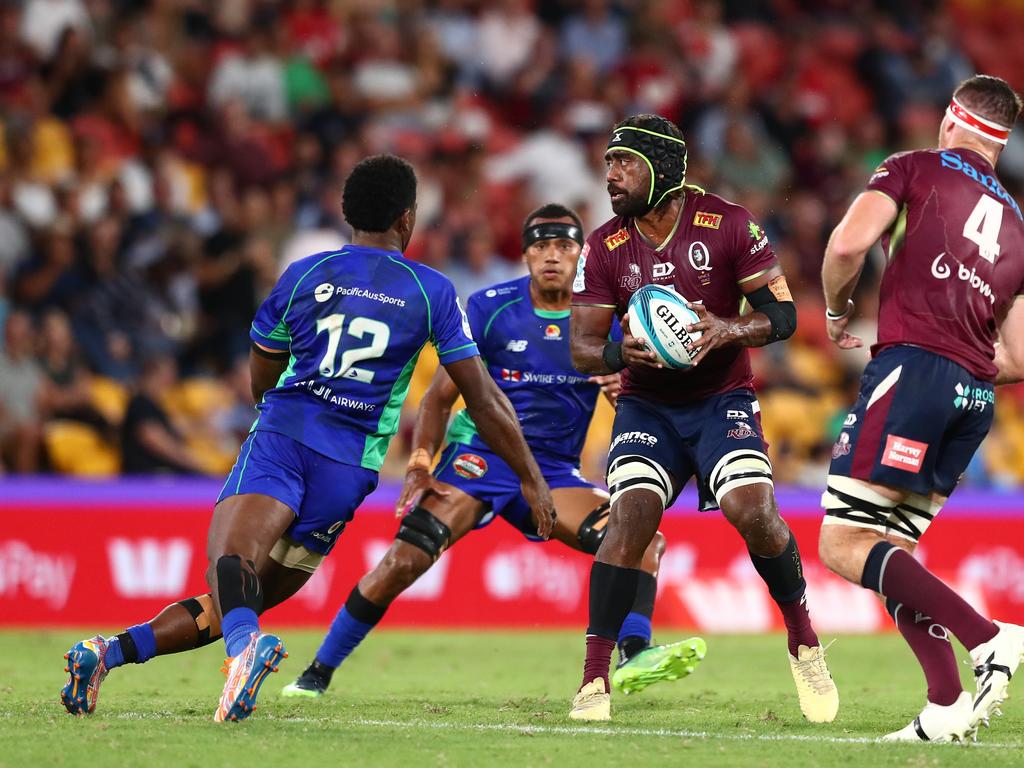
(870, 215)
(591, 350)
(427, 435)
(1010, 347)
(773, 318)
(498, 426)
(265, 369)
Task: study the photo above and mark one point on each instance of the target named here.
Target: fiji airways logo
(149, 567)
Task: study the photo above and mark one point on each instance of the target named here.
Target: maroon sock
(930, 643)
(906, 581)
(798, 625)
(599, 658)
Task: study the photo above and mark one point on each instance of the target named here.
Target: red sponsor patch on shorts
(470, 466)
(904, 454)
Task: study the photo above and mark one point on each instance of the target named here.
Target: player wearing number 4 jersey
(334, 346)
(953, 280)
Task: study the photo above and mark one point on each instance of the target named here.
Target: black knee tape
(784, 573)
(201, 610)
(238, 586)
(592, 529)
(361, 609)
(874, 565)
(421, 529)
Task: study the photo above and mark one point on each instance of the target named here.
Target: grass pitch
(453, 699)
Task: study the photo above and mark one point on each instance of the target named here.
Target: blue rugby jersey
(354, 322)
(527, 353)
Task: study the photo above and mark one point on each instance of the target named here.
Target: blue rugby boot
(87, 669)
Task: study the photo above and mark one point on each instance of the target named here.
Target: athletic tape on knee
(238, 586)
(633, 473)
(207, 623)
(849, 502)
(592, 529)
(737, 469)
(421, 529)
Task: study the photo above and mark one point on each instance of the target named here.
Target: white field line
(565, 730)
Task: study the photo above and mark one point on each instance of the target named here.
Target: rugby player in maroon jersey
(955, 264)
(671, 425)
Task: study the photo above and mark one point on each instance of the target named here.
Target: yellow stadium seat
(77, 449)
(109, 398)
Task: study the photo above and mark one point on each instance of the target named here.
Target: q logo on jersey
(323, 292)
(469, 466)
(553, 332)
(700, 256)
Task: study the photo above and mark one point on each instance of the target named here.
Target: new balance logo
(149, 567)
(517, 345)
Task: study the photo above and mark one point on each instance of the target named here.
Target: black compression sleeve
(781, 314)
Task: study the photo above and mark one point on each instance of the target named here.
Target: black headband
(665, 156)
(551, 230)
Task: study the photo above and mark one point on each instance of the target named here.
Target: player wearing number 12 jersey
(334, 346)
(955, 264)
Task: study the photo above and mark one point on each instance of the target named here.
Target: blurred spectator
(23, 386)
(162, 163)
(149, 441)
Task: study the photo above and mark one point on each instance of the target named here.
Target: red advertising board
(105, 557)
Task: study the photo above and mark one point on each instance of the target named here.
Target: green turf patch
(453, 699)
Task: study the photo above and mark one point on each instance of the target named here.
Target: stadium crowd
(162, 161)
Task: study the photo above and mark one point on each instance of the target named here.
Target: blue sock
(145, 642)
(342, 638)
(237, 626)
(636, 625)
(114, 657)
(136, 645)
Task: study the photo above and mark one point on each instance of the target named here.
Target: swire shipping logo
(507, 374)
(613, 241)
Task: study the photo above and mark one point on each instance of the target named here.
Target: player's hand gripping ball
(658, 316)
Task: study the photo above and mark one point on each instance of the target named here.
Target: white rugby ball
(658, 316)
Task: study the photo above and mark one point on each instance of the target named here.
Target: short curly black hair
(379, 190)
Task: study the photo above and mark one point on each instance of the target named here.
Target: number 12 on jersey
(360, 327)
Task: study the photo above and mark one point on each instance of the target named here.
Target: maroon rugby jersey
(716, 245)
(955, 256)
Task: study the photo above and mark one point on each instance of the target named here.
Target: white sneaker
(819, 698)
(938, 723)
(593, 702)
(994, 665)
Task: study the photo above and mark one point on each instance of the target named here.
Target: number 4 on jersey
(982, 227)
(379, 334)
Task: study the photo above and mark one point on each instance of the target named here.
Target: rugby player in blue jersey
(334, 346)
(522, 329)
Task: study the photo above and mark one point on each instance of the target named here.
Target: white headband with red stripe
(969, 121)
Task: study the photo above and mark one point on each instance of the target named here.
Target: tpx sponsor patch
(709, 220)
(613, 241)
(904, 454)
(470, 466)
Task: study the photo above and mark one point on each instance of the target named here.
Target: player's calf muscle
(752, 511)
(398, 570)
(633, 523)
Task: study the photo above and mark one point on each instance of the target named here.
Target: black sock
(612, 592)
(129, 651)
(784, 573)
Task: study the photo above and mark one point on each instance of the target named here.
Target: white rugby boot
(938, 723)
(994, 665)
